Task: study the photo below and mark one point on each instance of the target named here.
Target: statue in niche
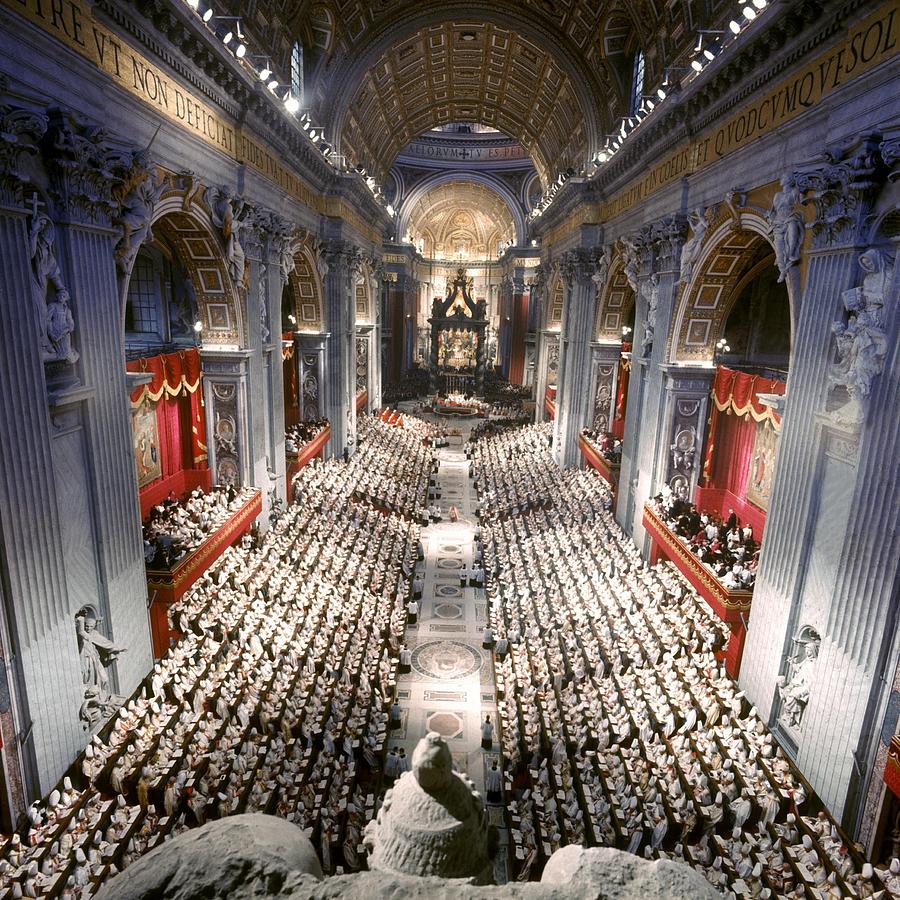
(690, 252)
(227, 212)
(794, 686)
(96, 653)
(786, 226)
(183, 308)
(55, 315)
(137, 195)
(650, 290)
(861, 341)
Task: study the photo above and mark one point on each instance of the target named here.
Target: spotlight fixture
(749, 12)
(759, 4)
(241, 51)
(207, 15)
(272, 85)
(228, 37)
(193, 4)
(198, 326)
(696, 65)
(735, 26)
(661, 93)
(291, 103)
(264, 74)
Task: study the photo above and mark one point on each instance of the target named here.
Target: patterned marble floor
(450, 688)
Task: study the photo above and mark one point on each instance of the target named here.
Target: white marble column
(344, 261)
(653, 257)
(829, 560)
(580, 270)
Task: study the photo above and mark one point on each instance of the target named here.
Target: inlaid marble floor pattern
(450, 688)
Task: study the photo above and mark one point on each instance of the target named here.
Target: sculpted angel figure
(227, 211)
(137, 195)
(786, 225)
(690, 252)
(650, 290)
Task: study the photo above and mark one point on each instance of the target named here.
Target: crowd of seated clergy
(607, 444)
(727, 548)
(176, 527)
(274, 699)
(297, 436)
(620, 726)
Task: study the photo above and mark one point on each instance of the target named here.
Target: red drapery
(734, 417)
(738, 393)
(618, 422)
(176, 394)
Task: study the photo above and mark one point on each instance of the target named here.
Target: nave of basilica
(400, 396)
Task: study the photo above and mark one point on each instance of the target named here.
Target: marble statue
(690, 252)
(786, 226)
(650, 290)
(793, 688)
(432, 822)
(96, 653)
(227, 211)
(631, 261)
(54, 313)
(60, 327)
(861, 341)
(137, 195)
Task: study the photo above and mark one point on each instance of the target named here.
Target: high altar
(458, 330)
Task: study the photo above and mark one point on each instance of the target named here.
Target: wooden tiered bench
(609, 471)
(732, 607)
(165, 586)
(550, 402)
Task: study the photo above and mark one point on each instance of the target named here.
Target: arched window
(297, 72)
(637, 83)
(161, 307)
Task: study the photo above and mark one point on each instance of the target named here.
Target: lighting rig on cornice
(710, 44)
(233, 38)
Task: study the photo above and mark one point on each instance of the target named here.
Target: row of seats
(620, 726)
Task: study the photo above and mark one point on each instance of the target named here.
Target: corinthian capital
(20, 133)
(342, 258)
(583, 265)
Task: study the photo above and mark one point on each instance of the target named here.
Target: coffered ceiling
(553, 74)
(461, 219)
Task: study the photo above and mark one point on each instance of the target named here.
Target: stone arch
(493, 184)
(614, 303)
(736, 248)
(555, 300)
(342, 92)
(305, 286)
(187, 228)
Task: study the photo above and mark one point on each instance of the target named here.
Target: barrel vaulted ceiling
(553, 74)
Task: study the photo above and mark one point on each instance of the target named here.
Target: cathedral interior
(519, 377)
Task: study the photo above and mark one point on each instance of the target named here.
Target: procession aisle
(450, 687)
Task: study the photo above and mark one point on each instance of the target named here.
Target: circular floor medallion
(448, 563)
(447, 590)
(446, 660)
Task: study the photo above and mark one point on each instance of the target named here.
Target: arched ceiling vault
(461, 217)
(467, 72)
(535, 69)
